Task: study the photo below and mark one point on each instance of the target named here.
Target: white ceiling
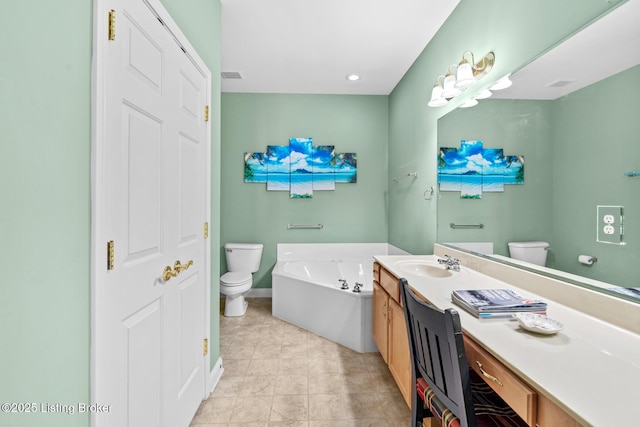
(604, 48)
(309, 46)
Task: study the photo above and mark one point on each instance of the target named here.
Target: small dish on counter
(538, 323)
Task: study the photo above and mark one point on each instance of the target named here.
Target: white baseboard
(259, 293)
(215, 375)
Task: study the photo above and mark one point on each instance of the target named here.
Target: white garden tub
(306, 289)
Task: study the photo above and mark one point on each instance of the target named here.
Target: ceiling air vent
(560, 83)
(231, 75)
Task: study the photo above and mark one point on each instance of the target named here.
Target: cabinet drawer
(518, 395)
(376, 272)
(390, 284)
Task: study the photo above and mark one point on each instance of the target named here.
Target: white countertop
(590, 368)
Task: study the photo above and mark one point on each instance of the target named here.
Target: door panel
(190, 190)
(143, 54)
(144, 366)
(148, 363)
(189, 320)
(142, 200)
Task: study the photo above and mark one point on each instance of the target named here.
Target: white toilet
(533, 252)
(243, 259)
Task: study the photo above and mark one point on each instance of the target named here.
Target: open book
(496, 302)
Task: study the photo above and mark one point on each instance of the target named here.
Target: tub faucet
(357, 287)
(344, 284)
(450, 263)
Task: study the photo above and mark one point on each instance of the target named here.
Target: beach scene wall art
(472, 169)
(300, 168)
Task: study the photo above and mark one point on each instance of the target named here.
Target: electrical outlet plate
(610, 224)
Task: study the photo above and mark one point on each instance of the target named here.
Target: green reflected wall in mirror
(579, 147)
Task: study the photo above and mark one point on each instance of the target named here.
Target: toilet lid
(235, 278)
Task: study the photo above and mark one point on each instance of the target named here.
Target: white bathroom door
(150, 173)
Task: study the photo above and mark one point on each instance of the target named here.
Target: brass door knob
(168, 273)
(178, 266)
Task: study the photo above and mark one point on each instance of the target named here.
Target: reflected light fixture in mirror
(470, 103)
(466, 74)
(502, 83)
(484, 94)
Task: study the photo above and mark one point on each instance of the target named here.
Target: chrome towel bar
(452, 225)
(302, 226)
(413, 174)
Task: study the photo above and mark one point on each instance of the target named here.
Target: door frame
(99, 237)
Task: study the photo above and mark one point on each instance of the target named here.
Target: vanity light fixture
(437, 100)
(450, 89)
(466, 74)
(484, 94)
(470, 103)
(502, 83)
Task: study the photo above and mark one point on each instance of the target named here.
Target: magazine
(496, 302)
(632, 292)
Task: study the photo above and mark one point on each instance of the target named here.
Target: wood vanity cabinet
(390, 335)
(390, 329)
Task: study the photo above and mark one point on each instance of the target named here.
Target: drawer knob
(489, 376)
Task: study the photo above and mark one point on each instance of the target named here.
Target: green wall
(350, 213)
(516, 32)
(521, 212)
(595, 142)
(45, 214)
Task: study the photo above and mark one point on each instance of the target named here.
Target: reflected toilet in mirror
(532, 252)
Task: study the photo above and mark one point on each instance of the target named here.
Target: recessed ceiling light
(353, 77)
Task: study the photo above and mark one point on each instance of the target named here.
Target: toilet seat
(235, 278)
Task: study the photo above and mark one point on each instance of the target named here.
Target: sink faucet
(450, 263)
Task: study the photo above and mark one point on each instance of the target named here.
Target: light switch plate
(610, 226)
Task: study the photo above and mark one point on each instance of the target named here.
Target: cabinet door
(550, 415)
(399, 357)
(380, 309)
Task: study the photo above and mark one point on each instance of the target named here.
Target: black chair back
(438, 355)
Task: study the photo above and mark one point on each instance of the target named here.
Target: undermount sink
(424, 268)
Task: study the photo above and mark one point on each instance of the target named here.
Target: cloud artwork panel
(493, 170)
(347, 168)
(278, 170)
(255, 167)
(323, 168)
(300, 168)
(301, 173)
(472, 169)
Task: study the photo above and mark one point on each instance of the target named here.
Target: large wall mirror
(573, 117)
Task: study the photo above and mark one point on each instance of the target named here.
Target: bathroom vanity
(586, 374)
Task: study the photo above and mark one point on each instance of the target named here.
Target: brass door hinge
(112, 24)
(206, 230)
(206, 113)
(205, 346)
(111, 254)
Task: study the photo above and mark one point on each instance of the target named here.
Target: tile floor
(277, 375)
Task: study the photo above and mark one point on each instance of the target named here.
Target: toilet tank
(533, 252)
(243, 256)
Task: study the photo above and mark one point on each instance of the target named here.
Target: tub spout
(344, 284)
